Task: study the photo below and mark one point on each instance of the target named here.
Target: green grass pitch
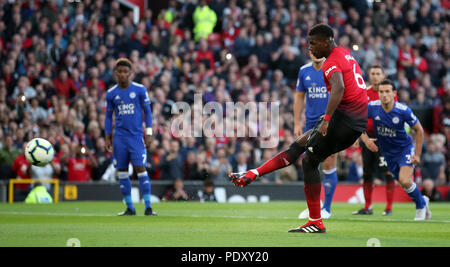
(192, 224)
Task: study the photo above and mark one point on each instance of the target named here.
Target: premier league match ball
(39, 152)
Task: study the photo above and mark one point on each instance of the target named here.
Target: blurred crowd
(57, 60)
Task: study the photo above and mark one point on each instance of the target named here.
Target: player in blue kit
(126, 100)
(310, 85)
(389, 118)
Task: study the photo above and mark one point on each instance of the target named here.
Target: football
(39, 152)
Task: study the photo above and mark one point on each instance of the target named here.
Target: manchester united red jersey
(354, 101)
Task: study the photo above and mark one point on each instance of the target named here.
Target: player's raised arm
(337, 91)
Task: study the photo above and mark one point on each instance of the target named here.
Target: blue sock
(144, 183)
(125, 188)
(416, 196)
(329, 184)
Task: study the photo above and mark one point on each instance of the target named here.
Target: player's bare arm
(369, 142)
(148, 131)
(337, 91)
(108, 142)
(419, 142)
(299, 101)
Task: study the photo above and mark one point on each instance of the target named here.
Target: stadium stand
(57, 62)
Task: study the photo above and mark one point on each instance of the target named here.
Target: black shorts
(339, 136)
(373, 162)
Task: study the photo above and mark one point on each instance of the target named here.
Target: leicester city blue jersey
(127, 105)
(390, 127)
(311, 82)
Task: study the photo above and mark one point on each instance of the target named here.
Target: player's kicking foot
(128, 212)
(363, 212)
(310, 227)
(150, 212)
(242, 179)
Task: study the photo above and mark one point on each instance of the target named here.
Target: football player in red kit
(344, 121)
(373, 162)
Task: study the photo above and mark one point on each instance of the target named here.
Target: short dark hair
(376, 67)
(122, 62)
(323, 30)
(389, 82)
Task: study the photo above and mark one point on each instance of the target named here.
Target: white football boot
(305, 214)
(427, 207)
(425, 212)
(325, 214)
(420, 214)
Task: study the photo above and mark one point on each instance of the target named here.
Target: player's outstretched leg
(281, 160)
(125, 188)
(144, 183)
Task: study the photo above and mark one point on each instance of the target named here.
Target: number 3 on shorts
(408, 159)
(383, 162)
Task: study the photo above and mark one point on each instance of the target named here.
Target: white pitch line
(54, 214)
(202, 216)
(394, 220)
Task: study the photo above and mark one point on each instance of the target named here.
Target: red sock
(279, 161)
(312, 193)
(368, 188)
(390, 188)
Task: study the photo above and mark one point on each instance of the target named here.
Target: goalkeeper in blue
(129, 102)
(389, 118)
